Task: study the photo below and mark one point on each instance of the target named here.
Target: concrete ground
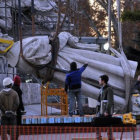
(35, 109)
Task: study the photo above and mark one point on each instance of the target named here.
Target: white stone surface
(5, 14)
(92, 102)
(43, 6)
(31, 93)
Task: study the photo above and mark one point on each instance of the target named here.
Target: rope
(51, 67)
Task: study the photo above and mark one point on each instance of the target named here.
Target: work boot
(82, 115)
(70, 115)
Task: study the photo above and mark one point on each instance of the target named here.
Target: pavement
(35, 110)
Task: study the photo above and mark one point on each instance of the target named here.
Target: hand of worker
(105, 114)
(86, 64)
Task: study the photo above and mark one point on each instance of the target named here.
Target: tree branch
(113, 18)
(92, 23)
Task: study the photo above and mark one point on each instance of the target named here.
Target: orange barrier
(69, 133)
(62, 105)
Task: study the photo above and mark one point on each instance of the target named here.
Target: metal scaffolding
(25, 24)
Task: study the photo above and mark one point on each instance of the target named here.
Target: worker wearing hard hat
(9, 102)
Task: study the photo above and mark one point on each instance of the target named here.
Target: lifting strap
(51, 67)
(5, 41)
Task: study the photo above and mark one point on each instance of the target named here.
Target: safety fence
(69, 133)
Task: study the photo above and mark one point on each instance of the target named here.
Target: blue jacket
(73, 78)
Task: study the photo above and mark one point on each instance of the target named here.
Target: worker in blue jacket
(73, 85)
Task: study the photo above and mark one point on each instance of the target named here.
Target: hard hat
(7, 81)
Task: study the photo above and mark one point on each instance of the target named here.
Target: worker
(73, 86)
(9, 102)
(105, 100)
(136, 88)
(105, 104)
(16, 87)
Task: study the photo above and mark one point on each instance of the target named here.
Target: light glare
(106, 46)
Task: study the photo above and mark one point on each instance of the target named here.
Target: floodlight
(106, 46)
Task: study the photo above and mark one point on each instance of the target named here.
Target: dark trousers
(19, 119)
(9, 126)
